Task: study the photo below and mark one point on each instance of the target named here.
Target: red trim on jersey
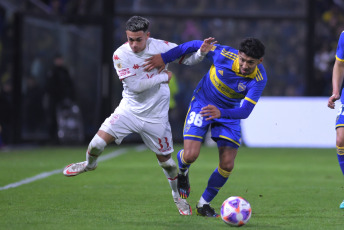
(127, 77)
(180, 61)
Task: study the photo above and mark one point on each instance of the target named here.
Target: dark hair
(252, 47)
(137, 23)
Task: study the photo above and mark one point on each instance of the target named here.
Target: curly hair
(252, 47)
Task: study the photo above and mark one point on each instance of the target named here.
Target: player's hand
(207, 45)
(154, 62)
(210, 111)
(332, 99)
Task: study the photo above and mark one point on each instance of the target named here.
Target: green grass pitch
(287, 189)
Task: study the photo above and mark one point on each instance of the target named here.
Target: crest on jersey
(119, 66)
(213, 48)
(241, 87)
(221, 72)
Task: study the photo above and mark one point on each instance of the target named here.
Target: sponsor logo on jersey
(116, 58)
(222, 87)
(124, 72)
(136, 66)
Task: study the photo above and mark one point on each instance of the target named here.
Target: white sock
(202, 202)
(95, 148)
(170, 170)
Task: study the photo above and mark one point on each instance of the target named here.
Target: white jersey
(148, 101)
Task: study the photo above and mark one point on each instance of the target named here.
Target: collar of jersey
(236, 69)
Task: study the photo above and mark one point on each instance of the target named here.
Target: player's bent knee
(190, 156)
(227, 167)
(339, 142)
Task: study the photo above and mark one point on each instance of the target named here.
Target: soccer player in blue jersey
(337, 92)
(236, 76)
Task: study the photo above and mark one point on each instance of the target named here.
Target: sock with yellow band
(340, 156)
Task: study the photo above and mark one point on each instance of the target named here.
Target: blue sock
(215, 182)
(340, 156)
(183, 166)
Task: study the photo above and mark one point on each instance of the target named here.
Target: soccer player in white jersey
(143, 108)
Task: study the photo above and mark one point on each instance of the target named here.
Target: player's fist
(332, 99)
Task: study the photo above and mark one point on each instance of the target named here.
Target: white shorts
(157, 136)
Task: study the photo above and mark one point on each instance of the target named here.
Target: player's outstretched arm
(172, 54)
(337, 81)
(212, 112)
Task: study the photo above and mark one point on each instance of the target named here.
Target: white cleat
(183, 206)
(77, 168)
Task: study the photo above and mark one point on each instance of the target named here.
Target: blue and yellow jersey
(224, 86)
(340, 48)
(340, 57)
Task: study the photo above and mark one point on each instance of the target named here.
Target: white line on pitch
(47, 174)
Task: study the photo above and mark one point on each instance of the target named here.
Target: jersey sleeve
(179, 51)
(255, 92)
(136, 85)
(238, 113)
(340, 48)
(122, 65)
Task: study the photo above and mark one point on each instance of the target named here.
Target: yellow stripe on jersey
(188, 111)
(229, 54)
(342, 60)
(221, 87)
(230, 139)
(250, 100)
(259, 76)
(223, 173)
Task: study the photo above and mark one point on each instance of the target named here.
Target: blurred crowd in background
(300, 37)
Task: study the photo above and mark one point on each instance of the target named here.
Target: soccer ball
(236, 211)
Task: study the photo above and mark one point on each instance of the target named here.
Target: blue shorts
(340, 117)
(196, 127)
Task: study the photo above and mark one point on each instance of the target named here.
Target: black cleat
(183, 185)
(207, 211)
